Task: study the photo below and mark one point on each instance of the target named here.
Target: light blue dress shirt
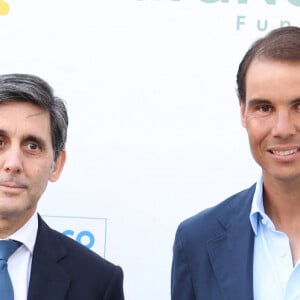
(274, 276)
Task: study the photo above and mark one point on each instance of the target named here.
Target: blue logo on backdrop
(90, 232)
(84, 237)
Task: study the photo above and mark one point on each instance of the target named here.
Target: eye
(2, 142)
(32, 147)
(297, 106)
(264, 108)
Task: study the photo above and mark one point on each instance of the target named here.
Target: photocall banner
(155, 133)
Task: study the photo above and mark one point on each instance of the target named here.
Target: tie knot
(7, 248)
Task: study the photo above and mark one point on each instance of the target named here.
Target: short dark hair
(33, 89)
(280, 44)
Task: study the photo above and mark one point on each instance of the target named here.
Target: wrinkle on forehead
(36, 114)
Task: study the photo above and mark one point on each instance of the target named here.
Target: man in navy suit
(47, 265)
(248, 246)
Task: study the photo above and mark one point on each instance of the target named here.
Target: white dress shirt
(19, 263)
(274, 276)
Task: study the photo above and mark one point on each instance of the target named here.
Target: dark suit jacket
(213, 253)
(62, 269)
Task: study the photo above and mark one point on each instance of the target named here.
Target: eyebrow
(297, 100)
(253, 102)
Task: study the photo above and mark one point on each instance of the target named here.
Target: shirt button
(264, 221)
(283, 254)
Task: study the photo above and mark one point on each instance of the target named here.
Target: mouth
(12, 185)
(285, 152)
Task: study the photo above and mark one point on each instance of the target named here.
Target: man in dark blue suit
(248, 246)
(47, 265)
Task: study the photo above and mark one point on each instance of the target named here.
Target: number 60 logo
(85, 238)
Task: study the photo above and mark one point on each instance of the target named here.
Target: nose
(284, 126)
(12, 161)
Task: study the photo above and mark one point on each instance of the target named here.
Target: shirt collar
(257, 208)
(27, 233)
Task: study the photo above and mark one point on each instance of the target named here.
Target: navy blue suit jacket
(213, 253)
(62, 269)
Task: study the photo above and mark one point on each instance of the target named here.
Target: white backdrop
(155, 134)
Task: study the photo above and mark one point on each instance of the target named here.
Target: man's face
(26, 159)
(271, 116)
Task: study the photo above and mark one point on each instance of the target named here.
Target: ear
(58, 166)
(242, 112)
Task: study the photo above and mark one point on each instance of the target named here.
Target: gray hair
(30, 88)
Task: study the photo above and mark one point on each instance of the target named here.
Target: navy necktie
(7, 248)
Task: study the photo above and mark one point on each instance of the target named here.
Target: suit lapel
(48, 280)
(231, 253)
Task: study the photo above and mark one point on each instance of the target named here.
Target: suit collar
(48, 280)
(231, 252)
